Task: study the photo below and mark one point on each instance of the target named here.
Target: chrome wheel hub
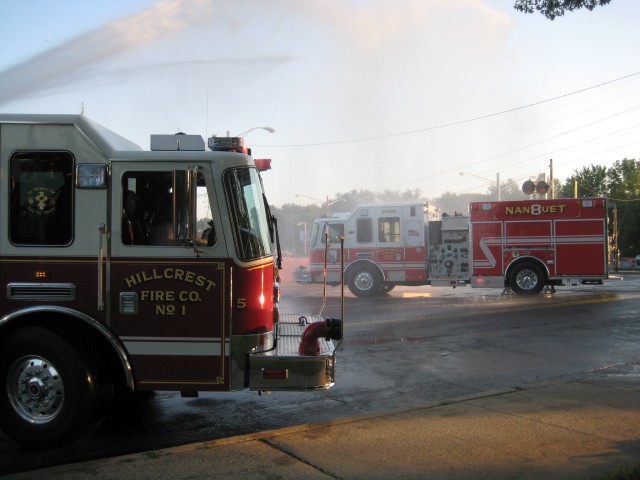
(364, 281)
(527, 279)
(35, 389)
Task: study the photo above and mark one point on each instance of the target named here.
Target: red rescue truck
(147, 270)
(520, 245)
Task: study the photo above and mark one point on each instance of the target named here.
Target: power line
(451, 124)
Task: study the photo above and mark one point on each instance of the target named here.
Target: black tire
(526, 279)
(52, 393)
(365, 282)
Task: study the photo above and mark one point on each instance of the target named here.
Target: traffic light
(528, 187)
(542, 187)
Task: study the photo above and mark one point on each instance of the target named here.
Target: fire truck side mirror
(542, 187)
(528, 187)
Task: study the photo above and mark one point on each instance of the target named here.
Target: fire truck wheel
(365, 282)
(53, 392)
(526, 279)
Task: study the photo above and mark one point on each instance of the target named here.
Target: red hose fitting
(309, 345)
(330, 329)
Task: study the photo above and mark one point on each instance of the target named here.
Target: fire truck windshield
(248, 215)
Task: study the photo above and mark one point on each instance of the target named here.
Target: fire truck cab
(385, 246)
(151, 270)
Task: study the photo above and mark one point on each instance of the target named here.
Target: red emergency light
(262, 164)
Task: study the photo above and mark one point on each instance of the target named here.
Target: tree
(591, 182)
(624, 179)
(294, 222)
(347, 202)
(624, 190)
(452, 203)
(556, 8)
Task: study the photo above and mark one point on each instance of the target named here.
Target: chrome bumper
(283, 368)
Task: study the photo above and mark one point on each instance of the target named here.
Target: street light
(497, 181)
(268, 129)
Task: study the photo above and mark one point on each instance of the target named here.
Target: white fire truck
(147, 270)
(518, 245)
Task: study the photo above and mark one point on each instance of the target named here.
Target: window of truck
(248, 215)
(364, 229)
(155, 209)
(389, 229)
(336, 232)
(41, 198)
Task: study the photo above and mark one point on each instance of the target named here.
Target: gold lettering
(168, 273)
(189, 296)
(535, 209)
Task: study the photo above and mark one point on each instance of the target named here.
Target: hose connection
(330, 329)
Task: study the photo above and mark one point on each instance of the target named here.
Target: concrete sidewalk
(579, 429)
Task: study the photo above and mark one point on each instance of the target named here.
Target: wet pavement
(587, 428)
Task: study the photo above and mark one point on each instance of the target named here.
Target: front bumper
(283, 368)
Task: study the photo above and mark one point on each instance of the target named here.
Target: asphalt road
(413, 345)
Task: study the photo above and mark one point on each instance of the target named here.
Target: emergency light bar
(228, 144)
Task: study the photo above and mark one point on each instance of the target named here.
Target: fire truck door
(167, 295)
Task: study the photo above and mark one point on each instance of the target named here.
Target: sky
(362, 94)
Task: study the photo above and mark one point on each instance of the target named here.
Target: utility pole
(551, 189)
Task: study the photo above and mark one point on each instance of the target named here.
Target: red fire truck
(517, 245)
(147, 270)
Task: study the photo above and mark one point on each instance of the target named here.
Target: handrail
(102, 230)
